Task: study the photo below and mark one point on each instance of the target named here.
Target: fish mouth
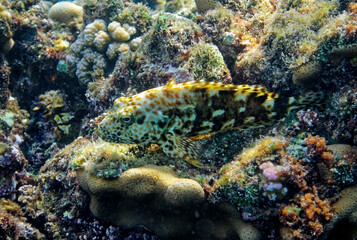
(102, 131)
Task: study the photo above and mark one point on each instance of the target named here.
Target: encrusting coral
(117, 179)
(205, 5)
(58, 205)
(344, 210)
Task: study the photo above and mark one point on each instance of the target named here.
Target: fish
(175, 116)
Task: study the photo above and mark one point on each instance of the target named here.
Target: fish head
(132, 124)
(119, 126)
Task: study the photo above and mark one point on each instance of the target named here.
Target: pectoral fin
(179, 147)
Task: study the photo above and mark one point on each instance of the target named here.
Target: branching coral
(89, 64)
(50, 102)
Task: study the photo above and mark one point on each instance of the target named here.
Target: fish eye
(127, 119)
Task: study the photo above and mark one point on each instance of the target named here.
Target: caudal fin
(310, 99)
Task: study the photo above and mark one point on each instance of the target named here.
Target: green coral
(7, 118)
(206, 62)
(169, 34)
(303, 28)
(136, 15)
(243, 197)
(297, 147)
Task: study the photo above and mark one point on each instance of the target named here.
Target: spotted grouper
(175, 116)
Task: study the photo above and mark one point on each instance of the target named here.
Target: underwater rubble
(63, 64)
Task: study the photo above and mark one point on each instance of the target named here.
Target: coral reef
(182, 50)
(5, 81)
(56, 203)
(134, 14)
(154, 191)
(276, 170)
(12, 224)
(52, 128)
(280, 43)
(336, 122)
(63, 64)
(94, 53)
(6, 41)
(340, 117)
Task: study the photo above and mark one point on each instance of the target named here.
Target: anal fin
(180, 147)
(201, 137)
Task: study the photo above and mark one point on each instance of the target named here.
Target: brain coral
(344, 209)
(138, 183)
(145, 195)
(66, 12)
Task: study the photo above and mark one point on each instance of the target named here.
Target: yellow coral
(232, 171)
(118, 32)
(138, 183)
(101, 40)
(263, 147)
(99, 152)
(61, 44)
(95, 27)
(10, 207)
(66, 12)
(50, 102)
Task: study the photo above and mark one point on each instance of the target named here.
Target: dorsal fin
(120, 102)
(170, 83)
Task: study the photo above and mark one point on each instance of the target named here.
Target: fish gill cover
(102, 101)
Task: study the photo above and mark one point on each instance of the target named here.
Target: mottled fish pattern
(176, 115)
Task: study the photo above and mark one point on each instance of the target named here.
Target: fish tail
(309, 99)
